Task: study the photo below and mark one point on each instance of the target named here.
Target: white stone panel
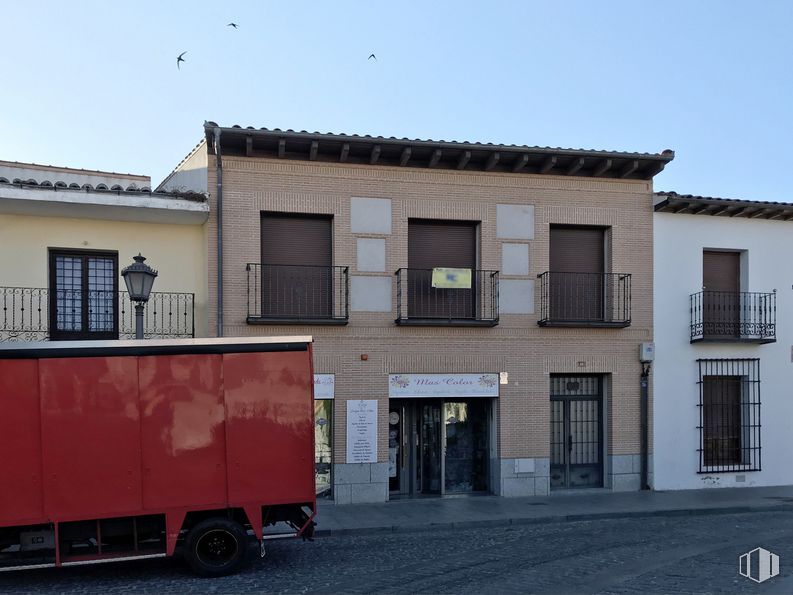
(371, 254)
(370, 215)
(516, 296)
(515, 259)
(515, 222)
(370, 294)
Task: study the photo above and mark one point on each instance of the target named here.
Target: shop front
(439, 433)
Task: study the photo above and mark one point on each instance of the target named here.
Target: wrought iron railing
(418, 302)
(733, 316)
(25, 314)
(297, 294)
(585, 299)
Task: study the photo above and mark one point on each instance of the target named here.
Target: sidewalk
(454, 512)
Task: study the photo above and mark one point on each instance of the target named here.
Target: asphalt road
(684, 554)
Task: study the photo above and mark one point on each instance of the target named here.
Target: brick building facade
(566, 410)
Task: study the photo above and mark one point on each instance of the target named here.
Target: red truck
(137, 449)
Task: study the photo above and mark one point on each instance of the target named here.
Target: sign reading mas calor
(442, 385)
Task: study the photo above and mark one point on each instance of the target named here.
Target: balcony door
(577, 267)
(721, 286)
(83, 296)
(296, 269)
(434, 244)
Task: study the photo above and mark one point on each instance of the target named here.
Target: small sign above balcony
(442, 385)
(444, 278)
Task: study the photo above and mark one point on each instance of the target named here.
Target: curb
(567, 518)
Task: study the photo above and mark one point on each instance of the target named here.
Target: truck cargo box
(126, 449)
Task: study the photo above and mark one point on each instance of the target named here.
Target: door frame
(599, 398)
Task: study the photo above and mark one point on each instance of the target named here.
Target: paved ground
(581, 505)
(675, 554)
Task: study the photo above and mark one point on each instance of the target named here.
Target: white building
(723, 402)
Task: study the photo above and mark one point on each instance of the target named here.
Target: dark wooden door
(297, 273)
(721, 299)
(577, 266)
(433, 244)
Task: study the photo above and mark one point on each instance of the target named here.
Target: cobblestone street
(681, 554)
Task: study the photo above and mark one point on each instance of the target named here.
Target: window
(721, 298)
(296, 276)
(577, 267)
(434, 244)
(83, 295)
(729, 405)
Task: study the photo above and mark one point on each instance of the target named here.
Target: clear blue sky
(95, 84)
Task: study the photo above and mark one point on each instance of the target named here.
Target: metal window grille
(729, 415)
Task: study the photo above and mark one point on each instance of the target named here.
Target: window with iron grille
(729, 415)
(83, 294)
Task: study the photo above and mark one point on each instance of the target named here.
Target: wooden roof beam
(721, 210)
(574, 166)
(345, 152)
(312, 152)
(654, 169)
(548, 164)
(492, 160)
(249, 146)
(602, 167)
(281, 147)
(405, 157)
(520, 162)
(436, 156)
(465, 157)
(629, 168)
(375, 155)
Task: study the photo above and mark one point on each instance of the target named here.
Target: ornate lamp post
(139, 278)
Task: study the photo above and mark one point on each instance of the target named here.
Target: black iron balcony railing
(25, 314)
(726, 316)
(585, 299)
(419, 303)
(296, 294)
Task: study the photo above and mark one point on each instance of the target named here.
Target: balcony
(598, 300)
(25, 314)
(421, 304)
(733, 317)
(296, 294)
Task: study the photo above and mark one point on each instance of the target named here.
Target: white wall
(190, 175)
(678, 244)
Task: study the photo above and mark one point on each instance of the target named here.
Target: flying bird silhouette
(372, 56)
(232, 25)
(180, 59)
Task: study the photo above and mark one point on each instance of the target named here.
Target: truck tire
(216, 547)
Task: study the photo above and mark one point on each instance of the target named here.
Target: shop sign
(324, 386)
(362, 431)
(442, 385)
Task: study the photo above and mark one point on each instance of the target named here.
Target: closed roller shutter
(297, 274)
(721, 302)
(433, 244)
(577, 291)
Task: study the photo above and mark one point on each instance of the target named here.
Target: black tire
(216, 547)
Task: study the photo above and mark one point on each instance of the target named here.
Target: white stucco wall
(190, 175)
(679, 241)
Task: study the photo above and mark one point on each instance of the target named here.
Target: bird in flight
(372, 56)
(232, 25)
(180, 59)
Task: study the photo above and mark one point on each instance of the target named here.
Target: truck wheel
(216, 547)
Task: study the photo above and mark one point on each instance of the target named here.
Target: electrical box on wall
(646, 352)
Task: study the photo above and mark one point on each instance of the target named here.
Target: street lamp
(139, 278)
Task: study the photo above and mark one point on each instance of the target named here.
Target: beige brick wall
(517, 345)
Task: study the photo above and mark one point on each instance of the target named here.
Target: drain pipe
(646, 357)
(219, 177)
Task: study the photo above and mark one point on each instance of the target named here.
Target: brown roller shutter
(721, 307)
(577, 249)
(434, 244)
(296, 240)
(721, 271)
(296, 271)
(577, 288)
